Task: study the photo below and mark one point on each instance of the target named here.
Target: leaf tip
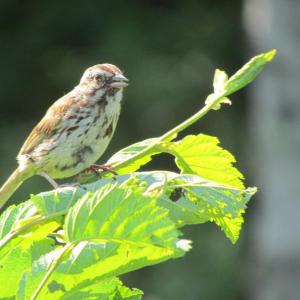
(252, 190)
(270, 54)
(184, 245)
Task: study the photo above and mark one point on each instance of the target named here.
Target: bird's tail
(12, 183)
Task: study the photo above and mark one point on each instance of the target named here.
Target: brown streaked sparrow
(74, 132)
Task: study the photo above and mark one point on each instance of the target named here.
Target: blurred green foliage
(169, 50)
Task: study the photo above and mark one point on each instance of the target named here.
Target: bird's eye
(99, 76)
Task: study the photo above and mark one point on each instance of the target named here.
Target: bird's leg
(50, 180)
(104, 168)
(56, 185)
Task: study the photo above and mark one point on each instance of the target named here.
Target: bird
(74, 132)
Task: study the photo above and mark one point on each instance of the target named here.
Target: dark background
(169, 51)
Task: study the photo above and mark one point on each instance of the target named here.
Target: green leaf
(120, 158)
(18, 255)
(190, 199)
(107, 289)
(194, 200)
(198, 201)
(13, 215)
(22, 221)
(23, 239)
(57, 201)
(183, 212)
(225, 207)
(248, 72)
(105, 242)
(32, 278)
(104, 215)
(16, 262)
(91, 262)
(201, 155)
(128, 294)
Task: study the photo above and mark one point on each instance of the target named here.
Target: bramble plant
(73, 242)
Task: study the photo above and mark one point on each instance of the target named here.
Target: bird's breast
(81, 140)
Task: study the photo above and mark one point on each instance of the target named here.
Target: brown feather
(48, 124)
(110, 68)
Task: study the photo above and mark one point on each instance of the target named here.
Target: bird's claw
(98, 169)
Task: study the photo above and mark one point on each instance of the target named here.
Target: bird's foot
(57, 185)
(98, 169)
(50, 180)
(72, 185)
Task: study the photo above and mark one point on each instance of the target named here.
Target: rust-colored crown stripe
(110, 68)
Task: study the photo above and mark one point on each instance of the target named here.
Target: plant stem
(191, 120)
(13, 182)
(171, 134)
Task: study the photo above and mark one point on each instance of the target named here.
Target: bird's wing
(49, 123)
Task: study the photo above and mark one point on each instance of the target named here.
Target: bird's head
(103, 76)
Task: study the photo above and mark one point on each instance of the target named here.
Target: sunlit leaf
(128, 153)
(55, 201)
(14, 214)
(18, 251)
(106, 289)
(106, 242)
(105, 215)
(191, 199)
(32, 278)
(224, 206)
(18, 255)
(248, 72)
(202, 155)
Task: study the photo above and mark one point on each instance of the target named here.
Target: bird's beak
(119, 81)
